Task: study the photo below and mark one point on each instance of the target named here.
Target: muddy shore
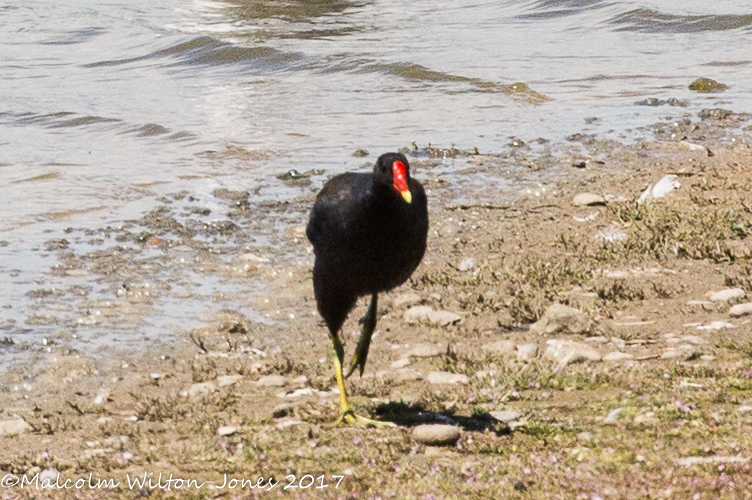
(636, 383)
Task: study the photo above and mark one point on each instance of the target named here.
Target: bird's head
(393, 170)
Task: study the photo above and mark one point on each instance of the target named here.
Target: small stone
(613, 416)
(619, 343)
(585, 436)
(443, 318)
(617, 356)
(301, 381)
(501, 347)
(559, 317)
(505, 415)
(744, 409)
(741, 309)
(227, 430)
(683, 351)
(648, 418)
(9, 427)
(707, 85)
(596, 340)
(226, 380)
(417, 314)
(407, 375)
(283, 410)
(427, 350)
(401, 363)
(467, 264)
(447, 378)
(527, 352)
(406, 299)
(48, 476)
(588, 200)
(272, 381)
(202, 388)
(567, 351)
(726, 295)
(694, 340)
(436, 435)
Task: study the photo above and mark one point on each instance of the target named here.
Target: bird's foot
(350, 418)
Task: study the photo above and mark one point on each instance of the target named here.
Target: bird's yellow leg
(364, 343)
(347, 415)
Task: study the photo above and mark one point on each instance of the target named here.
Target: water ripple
(653, 21)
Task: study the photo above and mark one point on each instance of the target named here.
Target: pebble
(588, 200)
(467, 264)
(406, 299)
(272, 381)
(401, 363)
(567, 351)
(436, 435)
(226, 380)
(648, 418)
(426, 314)
(617, 356)
(613, 416)
(49, 475)
(201, 388)
(619, 343)
(559, 317)
(504, 347)
(18, 426)
(744, 409)
(227, 430)
(427, 350)
(527, 352)
(683, 351)
(741, 309)
(585, 436)
(447, 378)
(596, 340)
(283, 410)
(726, 295)
(504, 415)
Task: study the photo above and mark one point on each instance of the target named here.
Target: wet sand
(640, 386)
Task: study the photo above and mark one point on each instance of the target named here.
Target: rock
(48, 476)
(502, 347)
(527, 352)
(407, 375)
(427, 350)
(648, 418)
(559, 317)
(744, 409)
(9, 427)
(588, 200)
(585, 436)
(567, 351)
(613, 416)
(426, 314)
(694, 340)
(707, 85)
(406, 299)
(741, 309)
(684, 352)
(226, 380)
(617, 356)
(447, 378)
(227, 430)
(436, 435)
(619, 343)
(401, 363)
(301, 381)
(504, 415)
(283, 410)
(715, 325)
(417, 314)
(201, 388)
(726, 295)
(596, 340)
(467, 264)
(272, 381)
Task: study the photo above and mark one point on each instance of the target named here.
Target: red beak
(400, 181)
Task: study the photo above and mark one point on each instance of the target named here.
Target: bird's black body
(367, 239)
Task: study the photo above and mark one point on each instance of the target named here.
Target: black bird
(369, 234)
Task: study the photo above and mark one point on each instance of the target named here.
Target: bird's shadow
(411, 415)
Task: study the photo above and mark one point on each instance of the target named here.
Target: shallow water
(108, 105)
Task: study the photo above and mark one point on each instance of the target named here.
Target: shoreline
(249, 392)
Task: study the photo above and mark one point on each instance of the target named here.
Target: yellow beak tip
(407, 195)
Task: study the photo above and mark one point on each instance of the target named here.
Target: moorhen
(369, 234)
